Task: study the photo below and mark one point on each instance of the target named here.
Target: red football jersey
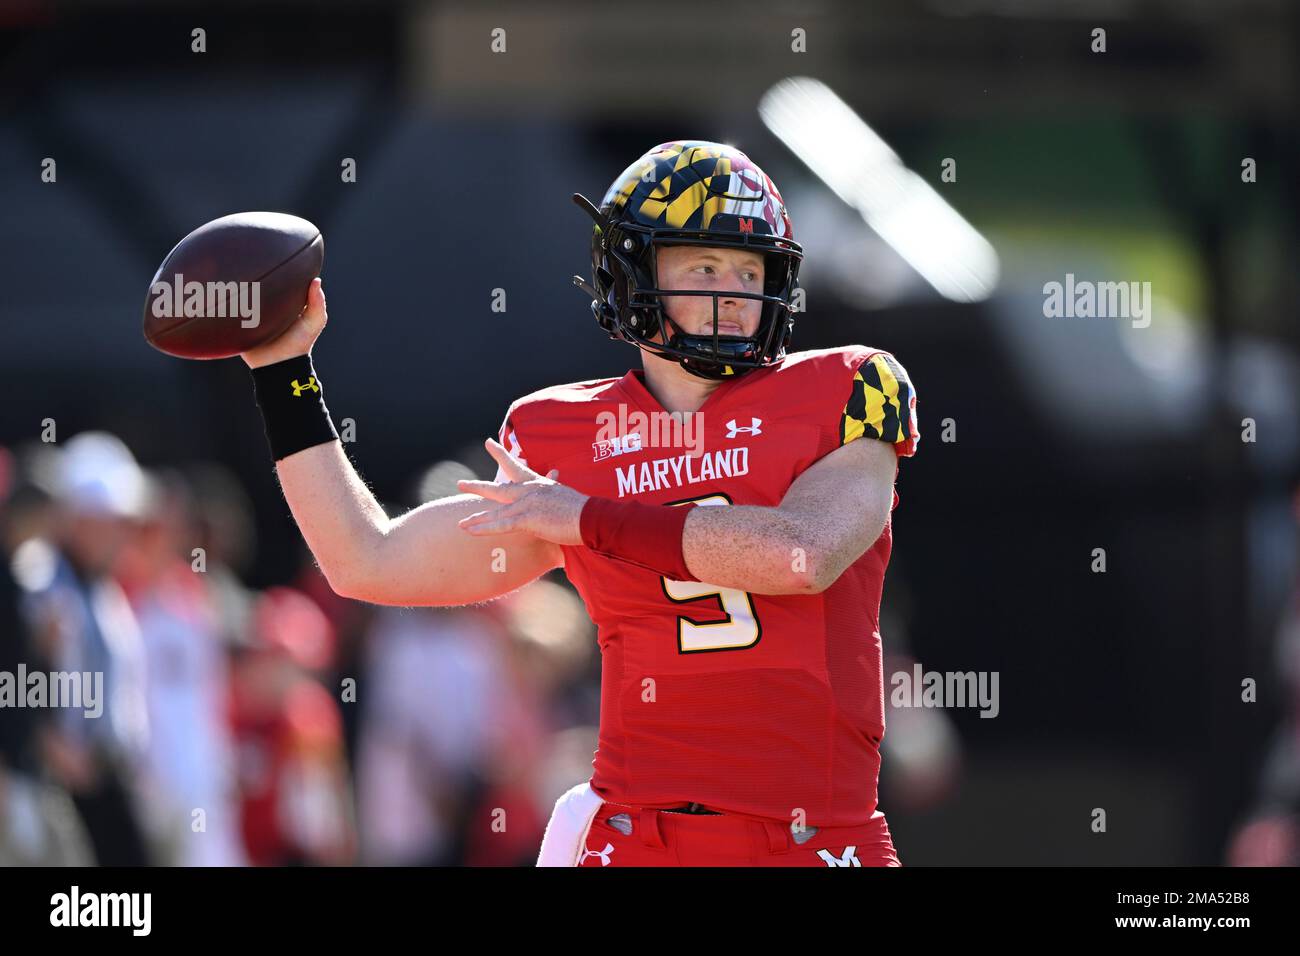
(760, 705)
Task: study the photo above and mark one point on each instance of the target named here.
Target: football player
(724, 512)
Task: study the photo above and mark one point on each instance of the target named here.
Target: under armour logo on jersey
(848, 858)
(298, 389)
(733, 429)
(603, 854)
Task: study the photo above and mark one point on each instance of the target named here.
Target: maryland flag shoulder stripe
(882, 405)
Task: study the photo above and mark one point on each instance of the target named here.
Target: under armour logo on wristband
(299, 389)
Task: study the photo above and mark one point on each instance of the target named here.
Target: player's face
(711, 269)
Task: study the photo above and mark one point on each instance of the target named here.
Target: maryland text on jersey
(682, 470)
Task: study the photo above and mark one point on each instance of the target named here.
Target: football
(232, 284)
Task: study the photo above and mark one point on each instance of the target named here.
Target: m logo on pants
(848, 858)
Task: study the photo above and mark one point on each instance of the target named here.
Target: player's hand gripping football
(298, 338)
(526, 501)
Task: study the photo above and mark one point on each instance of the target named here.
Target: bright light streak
(901, 207)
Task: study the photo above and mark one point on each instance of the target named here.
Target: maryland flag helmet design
(690, 192)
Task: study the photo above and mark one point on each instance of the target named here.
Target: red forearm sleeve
(649, 536)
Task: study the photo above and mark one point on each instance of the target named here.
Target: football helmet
(690, 192)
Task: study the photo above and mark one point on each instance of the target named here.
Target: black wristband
(293, 406)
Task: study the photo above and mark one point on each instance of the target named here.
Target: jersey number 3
(741, 628)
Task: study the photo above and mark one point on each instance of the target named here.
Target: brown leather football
(232, 284)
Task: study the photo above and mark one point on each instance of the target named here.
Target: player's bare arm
(830, 516)
(828, 519)
(420, 558)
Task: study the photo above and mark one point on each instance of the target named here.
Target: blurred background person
(349, 621)
(82, 622)
(1269, 832)
(550, 666)
(296, 805)
(431, 695)
(459, 711)
(39, 825)
(189, 784)
(223, 528)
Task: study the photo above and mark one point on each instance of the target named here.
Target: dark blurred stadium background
(1120, 690)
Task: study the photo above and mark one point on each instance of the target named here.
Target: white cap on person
(98, 475)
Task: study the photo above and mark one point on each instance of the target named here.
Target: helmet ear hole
(644, 322)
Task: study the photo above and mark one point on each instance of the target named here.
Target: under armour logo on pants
(603, 854)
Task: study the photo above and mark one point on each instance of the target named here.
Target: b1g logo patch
(619, 445)
(848, 858)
